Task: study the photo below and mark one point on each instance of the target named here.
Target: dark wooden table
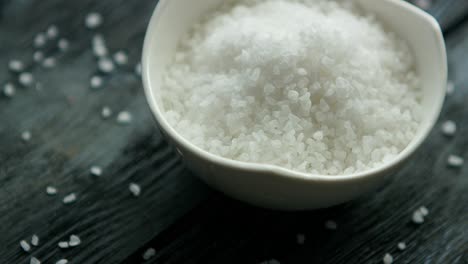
(185, 221)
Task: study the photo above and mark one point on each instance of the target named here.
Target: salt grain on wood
(35, 240)
(120, 58)
(138, 69)
(135, 189)
(96, 82)
(49, 62)
(149, 253)
(52, 32)
(26, 79)
(34, 261)
(450, 87)
(40, 40)
(38, 56)
(9, 90)
(106, 112)
(50, 190)
(25, 245)
(449, 128)
(124, 118)
(96, 171)
(69, 198)
(455, 161)
(99, 46)
(62, 261)
(106, 65)
(387, 259)
(63, 244)
(93, 20)
(418, 217)
(401, 246)
(74, 241)
(424, 211)
(26, 136)
(15, 65)
(63, 44)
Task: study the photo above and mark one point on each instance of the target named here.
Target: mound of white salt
(309, 85)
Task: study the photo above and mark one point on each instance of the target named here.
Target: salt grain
(69, 198)
(401, 246)
(35, 240)
(74, 241)
(51, 190)
(62, 261)
(450, 87)
(63, 244)
(26, 79)
(63, 44)
(96, 82)
(120, 58)
(93, 20)
(331, 225)
(387, 259)
(25, 245)
(34, 261)
(138, 69)
(300, 239)
(96, 171)
(424, 211)
(26, 136)
(52, 32)
(149, 253)
(124, 118)
(449, 128)
(106, 112)
(40, 40)
(106, 65)
(38, 56)
(455, 161)
(418, 217)
(135, 189)
(15, 65)
(9, 90)
(99, 46)
(49, 62)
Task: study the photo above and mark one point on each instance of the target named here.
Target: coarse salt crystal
(50, 190)
(450, 87)
(149, 253)
(26, 79)
(418, 217)
(49, 62)
(25, 245)
(124, 118)
(63, 244)
(93, 20)
(300, 239)
(15, 65)
(96, 171)
(69, 198)
(63, 44)
(120, 58)
(38, 56)
(449, 128)
(388, 259)
(96, 81)
(99, 46)
(424, 211)
(34, 261)
(40, 40)
(52, 32)
(9, 90)
(138, 69)
(401, 246)
(106, 112)
(331, 225)
(106, 65)
(135, 189)
(62, 261)
(74, 241)
(26, 136)
(455, 161)
(35, 240)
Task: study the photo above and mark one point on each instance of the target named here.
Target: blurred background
(80, 154)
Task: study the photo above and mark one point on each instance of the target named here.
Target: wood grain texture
(177, 215)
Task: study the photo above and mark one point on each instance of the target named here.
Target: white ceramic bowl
(272, 186)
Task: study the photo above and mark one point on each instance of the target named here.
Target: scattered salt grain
(35, 240)
(38, 56)
(34, 261)
(49, 62)
(121, 58)
(9, 90)
(124, 118)
(106, 65)
(149, 253)
(449, 128)
(63, 44)
(96, 82)
(418, 217)
(25, 245)
(40, 40)
(15, 65)
(138, 69)
(62, 261)
(26, 136)
(99, 46)
(93, 20)
(455, 161)
(52, 32)
(135, 189)
(401, 246)
(96, 171)
(450, 87)
(63, 244)
(424, 211)
(74, 241)
(106, 112)
(69, 198)
(331, 225)
(50, 190)
(388, 259)
(26, 79)
(300, 239)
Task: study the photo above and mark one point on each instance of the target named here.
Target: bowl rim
(276, 170)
